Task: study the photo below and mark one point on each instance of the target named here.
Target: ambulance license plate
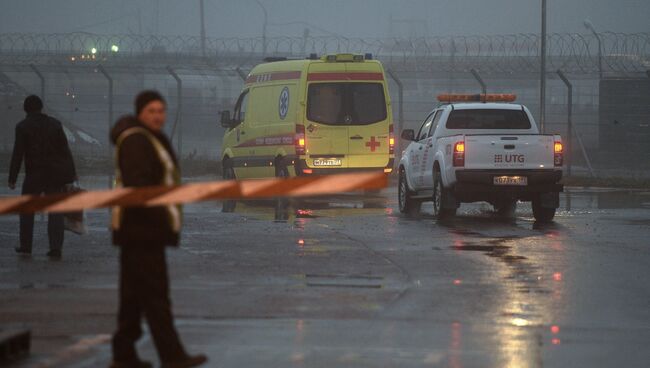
(511, 180)
(327, 162)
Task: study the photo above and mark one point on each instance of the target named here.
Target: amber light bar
(489, 97)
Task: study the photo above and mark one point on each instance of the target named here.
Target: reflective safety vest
(171, 176)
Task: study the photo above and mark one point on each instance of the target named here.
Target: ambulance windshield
(346, 103)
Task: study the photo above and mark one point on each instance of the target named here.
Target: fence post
(400, 109)
(569, 120)
(241, 74)
(109, 149)
(480, 81)
(572, 129)
(179, 113)
(41, 78)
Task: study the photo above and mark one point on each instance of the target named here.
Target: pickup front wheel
(407, 204)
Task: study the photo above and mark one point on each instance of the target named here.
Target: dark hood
(123, 123)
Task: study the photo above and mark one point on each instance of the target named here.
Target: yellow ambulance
(309, 117)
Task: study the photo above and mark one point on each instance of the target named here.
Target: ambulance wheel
(228, 174)
(542, 214)
(407, 204)
(439, 192)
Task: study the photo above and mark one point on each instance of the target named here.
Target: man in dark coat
(41, 142)
(146, 158)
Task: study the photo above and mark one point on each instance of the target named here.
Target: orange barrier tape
(196, 192)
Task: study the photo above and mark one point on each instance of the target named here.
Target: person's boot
(137, 363)
(21, 250)
(54, 254)
(187, 362)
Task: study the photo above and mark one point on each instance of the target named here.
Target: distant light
(458, 282)
(557, 276)
(114, 48)
(519, 322)
(301, 242)
(72, 58)
(93, 50)
(556, 341)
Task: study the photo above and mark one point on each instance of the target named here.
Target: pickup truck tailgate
(508, 151)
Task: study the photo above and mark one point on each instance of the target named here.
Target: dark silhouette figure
(42, 144)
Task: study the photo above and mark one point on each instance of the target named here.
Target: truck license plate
(327, 162)
(511, 180)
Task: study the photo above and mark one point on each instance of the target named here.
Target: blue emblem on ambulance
(283, 105)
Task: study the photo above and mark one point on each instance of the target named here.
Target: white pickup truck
(471, 152)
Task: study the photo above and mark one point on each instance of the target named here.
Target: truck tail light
(459, 154)
(300, 140)
(391, 139)
(558, 154)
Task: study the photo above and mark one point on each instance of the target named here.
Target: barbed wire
(621, 53)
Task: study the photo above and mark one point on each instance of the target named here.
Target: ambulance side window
(240, 108)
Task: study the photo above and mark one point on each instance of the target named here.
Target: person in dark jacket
(42, 144)
(144, 157)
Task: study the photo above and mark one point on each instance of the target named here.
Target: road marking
(74, 351)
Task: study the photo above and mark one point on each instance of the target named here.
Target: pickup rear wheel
(407, 204)
(542, 214)
(506, 208)
(439, 193)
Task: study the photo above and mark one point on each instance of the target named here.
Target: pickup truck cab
(480, 151)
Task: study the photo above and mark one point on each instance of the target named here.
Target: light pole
(591, 28)
(542, 77)
(266, 22)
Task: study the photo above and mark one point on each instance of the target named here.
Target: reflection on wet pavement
(347, 281)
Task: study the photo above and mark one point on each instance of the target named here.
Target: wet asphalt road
(347, 281)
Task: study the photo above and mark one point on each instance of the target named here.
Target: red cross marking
(373, 144)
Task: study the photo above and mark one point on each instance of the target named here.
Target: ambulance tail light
(459, 154)
(300, 140)
(391, 139)
(558, 153)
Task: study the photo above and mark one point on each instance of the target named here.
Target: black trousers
(55, 223)
(144, 292)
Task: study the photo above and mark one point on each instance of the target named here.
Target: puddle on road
(282, 210)
(581, 199)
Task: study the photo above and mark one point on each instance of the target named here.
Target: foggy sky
(350, 18)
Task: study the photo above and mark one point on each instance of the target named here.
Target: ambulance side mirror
(408, 135)
(226, 120)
